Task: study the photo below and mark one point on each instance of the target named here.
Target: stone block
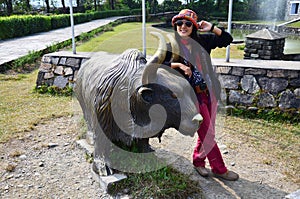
(45, 67)
(236, 97)
(68, 71)
(246, 99)
(59, 70)
(269, 43)
(295, 82)
(267, 48)
(254, 55)
(40, 78)
(288, 100)
(249, 84)
(74, 62)
(276, 73)
(238, 71)
(257, 41)
(252, 51)
(255, 71)
(273, 85)
(260, 52)
(257, 46)
(49, 75)
(106, 182)
(60, 81)
(55, 60)
(230, 81)
(246, 49)
(249, 41)
(266, 100)
(267, 52)
(46, 59)
(297, 92)
(48, 82)
(62, 61)
(266, 57)
(223, 70)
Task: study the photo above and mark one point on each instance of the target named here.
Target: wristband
(212, 28)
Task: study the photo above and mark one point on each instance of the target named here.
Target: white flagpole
(144, 26)
(72, 27)
(229, 29)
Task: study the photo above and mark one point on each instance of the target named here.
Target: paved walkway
(13, 49)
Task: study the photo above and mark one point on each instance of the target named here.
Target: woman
(194, 63)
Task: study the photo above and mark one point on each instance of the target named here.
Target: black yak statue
(126, 100)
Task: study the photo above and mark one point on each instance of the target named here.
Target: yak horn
(175, 48)
(155, 61)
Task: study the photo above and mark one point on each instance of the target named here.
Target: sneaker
(202, 171)
(229, 175)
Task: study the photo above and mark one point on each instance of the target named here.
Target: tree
(63, 6)
(78, 3)
(28, 7)
(112, 4)
(153, 5)
(9, 6)
(47, 6)
(218, 4)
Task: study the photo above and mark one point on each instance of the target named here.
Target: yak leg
(143, 145)
(101, 168)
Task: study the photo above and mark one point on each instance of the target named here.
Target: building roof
(266, 34)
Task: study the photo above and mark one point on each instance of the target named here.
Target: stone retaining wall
(257, 87)
(60, 69)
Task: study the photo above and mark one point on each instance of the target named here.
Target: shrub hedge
(22, 25)
(16, 26)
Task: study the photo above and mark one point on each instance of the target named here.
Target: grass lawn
(21, 109)
(129, 35)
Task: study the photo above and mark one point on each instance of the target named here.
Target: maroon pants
(206, 146)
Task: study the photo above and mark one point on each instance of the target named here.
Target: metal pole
(229, 29)
(72, 27)
(144, 26)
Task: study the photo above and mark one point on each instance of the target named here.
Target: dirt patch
(46, 163)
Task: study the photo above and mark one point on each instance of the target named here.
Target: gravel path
(46, 163)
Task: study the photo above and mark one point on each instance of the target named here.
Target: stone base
(105, 182)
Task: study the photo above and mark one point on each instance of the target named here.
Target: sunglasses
(180, 23)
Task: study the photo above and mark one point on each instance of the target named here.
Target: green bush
(82, 17)
(38, 23)
(17, 26)
(60, 21)
(54, 90)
